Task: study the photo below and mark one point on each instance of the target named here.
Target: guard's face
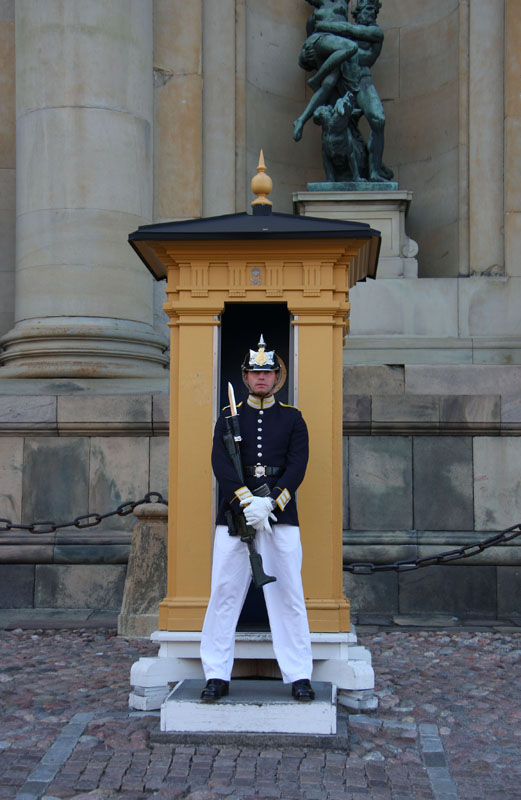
(261, 382)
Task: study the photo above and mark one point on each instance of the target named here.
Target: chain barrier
(367, 568)
(85, 520)
(357, 568)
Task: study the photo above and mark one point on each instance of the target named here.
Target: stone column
(84, 105)
(178, 79)
(486, 133)
(512, 139)
(218, 107)
(7, 167)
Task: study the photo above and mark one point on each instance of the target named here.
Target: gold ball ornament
(261, 184)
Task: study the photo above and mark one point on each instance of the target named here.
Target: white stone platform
(264, 706)
(337, 658)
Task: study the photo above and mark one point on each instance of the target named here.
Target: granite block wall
(426, 469)
(66, 456)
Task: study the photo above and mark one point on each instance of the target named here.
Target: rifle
(237, 524)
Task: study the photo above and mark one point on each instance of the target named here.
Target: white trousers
(281, 553)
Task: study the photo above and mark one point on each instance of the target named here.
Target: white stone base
(337, 658)
(251, 706)
(385, 211)
(143, 699)
(362, 700)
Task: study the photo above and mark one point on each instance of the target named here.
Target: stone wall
(218, 80)
(62, 457)
(427, 468)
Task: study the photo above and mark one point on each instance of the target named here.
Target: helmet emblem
(260, 357)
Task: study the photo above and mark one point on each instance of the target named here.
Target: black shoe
(302, 691)
(215, 689)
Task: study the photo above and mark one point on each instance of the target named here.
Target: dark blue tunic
(272, 435)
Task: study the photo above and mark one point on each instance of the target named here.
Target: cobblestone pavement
(448, 725)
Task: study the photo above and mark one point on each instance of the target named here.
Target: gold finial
(261, 184)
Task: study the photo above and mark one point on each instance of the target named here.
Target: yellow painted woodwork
(313, 277)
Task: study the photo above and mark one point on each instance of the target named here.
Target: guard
(271, 447)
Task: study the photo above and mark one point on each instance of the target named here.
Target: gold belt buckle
(260, 471)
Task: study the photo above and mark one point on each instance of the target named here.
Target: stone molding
(432, 350)
(379, 412)
(84, 415)
(99, 347)
(386, 547)
(449, 415)
(451, 400)
(431, 313)
(65, 547)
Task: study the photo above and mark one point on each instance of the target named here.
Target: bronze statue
(341, 152)
(342, 53)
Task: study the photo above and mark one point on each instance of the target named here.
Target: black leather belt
(260, 471)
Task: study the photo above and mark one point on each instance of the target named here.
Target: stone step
(254, 706)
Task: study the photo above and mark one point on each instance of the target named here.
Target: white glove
(258, 513)
(264, 525)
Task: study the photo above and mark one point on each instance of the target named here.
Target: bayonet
(233, 413)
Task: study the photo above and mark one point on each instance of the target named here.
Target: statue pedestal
(383, 210)
(352, 186)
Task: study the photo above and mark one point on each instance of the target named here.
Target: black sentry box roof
(253, 226)
(245, 226)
